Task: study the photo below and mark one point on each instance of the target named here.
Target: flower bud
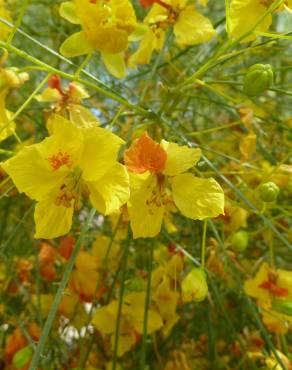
(194, 286)
(239, 241)
(269, 191)
(282, 306)
(258, 79)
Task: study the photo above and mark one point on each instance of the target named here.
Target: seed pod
(282, 306)
(269, 191)
(239, 241)
(194, 286)
(258, 79)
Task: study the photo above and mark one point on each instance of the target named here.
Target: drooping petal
(111, 191)
(32, 174)
(99, 153)
(244, 14)
(115, 64)
(192, 27)
(51, 220)
(197, 198)
(75, 45)
(179, 158)
(149, 43)
(145, 155)
(146, 214)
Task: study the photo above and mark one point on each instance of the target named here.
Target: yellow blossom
(270, 287)
(63, 167)
(106, 26)
(158, 180)
(67, 102)
(189, 28)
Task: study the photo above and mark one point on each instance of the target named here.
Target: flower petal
(65, 138)
(99, 153)
(75, 45)
(146, 220)
(110, 192)
(105, 317)
(145, 155)
(148, 44)
(192, 27)
(179, 158)
(51, 220)
(115, 64)
(243, 16)
(31, 174)
(197, 198)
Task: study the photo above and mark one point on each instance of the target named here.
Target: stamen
(60, 159)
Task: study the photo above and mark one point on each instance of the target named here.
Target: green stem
(71, 77)
(119, 313)
(146, 309)
(204, 244)
(58, 297)
(18, 21)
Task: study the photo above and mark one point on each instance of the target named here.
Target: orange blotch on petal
(145, 155)
(60, 159)
(274, 289)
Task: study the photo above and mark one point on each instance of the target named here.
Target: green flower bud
(282, 306)
(258, 79)
(239, 241)
(269, 191)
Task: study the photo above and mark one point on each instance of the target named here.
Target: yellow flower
(271, 288)
(269, 283)
(132, 319)
(5, 14)
(244, 14)
(70, 163)
(158, 181)
(189, 27)
(106, 26)
(67, 102)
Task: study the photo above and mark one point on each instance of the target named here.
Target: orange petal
(145, 155)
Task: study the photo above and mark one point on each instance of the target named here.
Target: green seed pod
(239, 241)
(269, 191)
(282, 306)
(258, 79)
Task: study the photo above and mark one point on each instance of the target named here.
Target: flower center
(60, 159)
(159, 194)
